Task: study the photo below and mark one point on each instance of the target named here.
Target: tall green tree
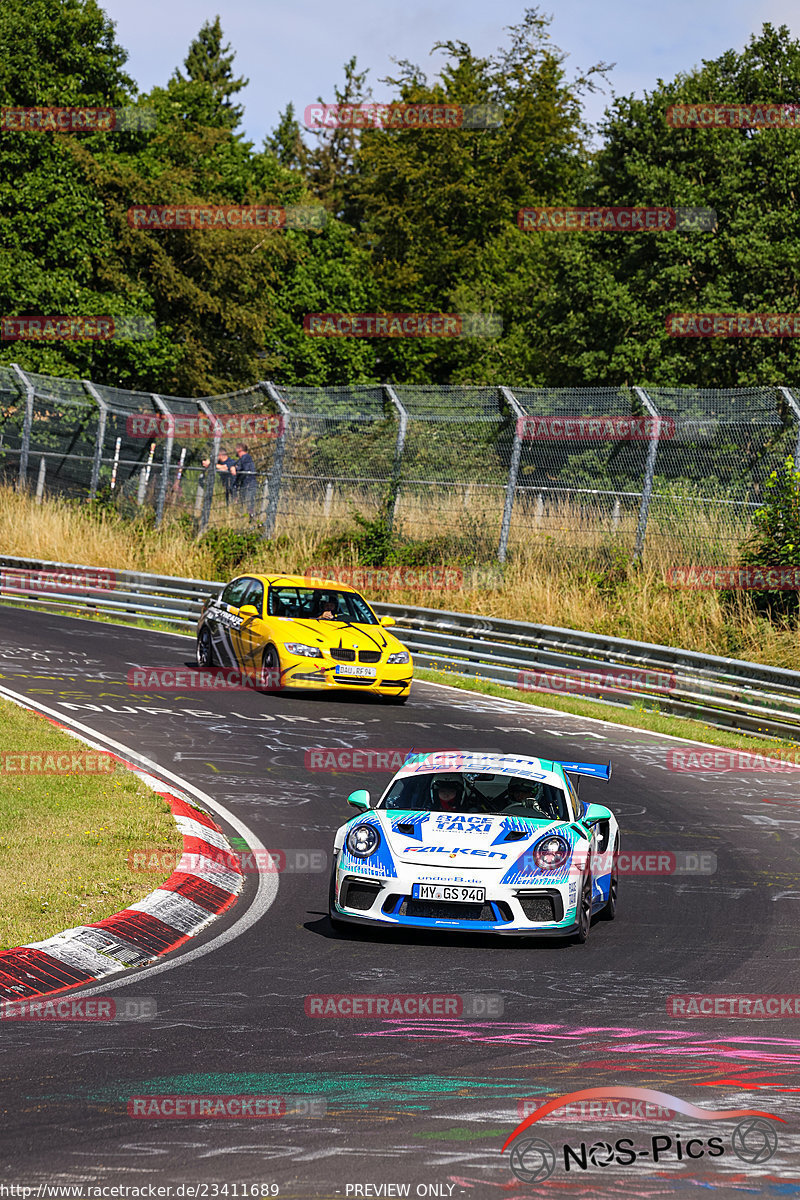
(209, 65)
(54, 236)
(437, 208)
(606, 321)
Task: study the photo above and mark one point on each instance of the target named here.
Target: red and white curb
(189, 900)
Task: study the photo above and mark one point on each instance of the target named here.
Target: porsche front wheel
(584, 911)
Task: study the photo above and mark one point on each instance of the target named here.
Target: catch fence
(478, 470)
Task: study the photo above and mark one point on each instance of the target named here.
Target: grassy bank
(65, 838)
(592, 587)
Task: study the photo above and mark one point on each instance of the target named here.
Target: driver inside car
(447, 795)
(527, 793)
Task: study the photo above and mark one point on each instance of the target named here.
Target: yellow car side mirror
(248, 610)
(388, 621)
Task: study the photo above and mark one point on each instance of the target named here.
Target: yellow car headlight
(304, 651)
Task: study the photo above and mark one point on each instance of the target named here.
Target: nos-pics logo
(533, 1160)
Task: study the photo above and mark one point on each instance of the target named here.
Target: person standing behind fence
(245, 471)
(227, 470)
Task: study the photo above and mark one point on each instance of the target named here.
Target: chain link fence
(488, 469)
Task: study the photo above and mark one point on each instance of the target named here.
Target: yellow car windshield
(318, 604)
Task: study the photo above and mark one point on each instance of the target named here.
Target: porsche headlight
(551, 852)
(363, 840)
(402, 656)
(303, 650)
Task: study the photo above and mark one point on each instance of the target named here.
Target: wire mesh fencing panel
(337, 451)
(222, 457)
(715, 454)
(12, 421)
(473, 472)
(61, 446)
(582, 465)
(454, 466)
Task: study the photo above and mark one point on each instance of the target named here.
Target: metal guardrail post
(276, 474)
(25, 448)
(210, 477)
(101, 433)
(399, 446)
(162, 487)
(795, 407)
(649, 473)
(513, 470)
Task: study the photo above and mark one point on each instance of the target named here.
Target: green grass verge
(635, 717)
(64, 839)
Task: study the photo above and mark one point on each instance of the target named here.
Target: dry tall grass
(564, 572)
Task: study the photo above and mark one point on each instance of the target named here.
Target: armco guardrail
(724, 692)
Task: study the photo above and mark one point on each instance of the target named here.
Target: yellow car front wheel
(270, 680)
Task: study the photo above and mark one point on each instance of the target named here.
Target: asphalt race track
(426, 1103)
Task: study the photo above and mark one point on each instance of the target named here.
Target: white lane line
(266, 890)
(535, 709)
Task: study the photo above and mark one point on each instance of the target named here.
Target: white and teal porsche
(489, 843)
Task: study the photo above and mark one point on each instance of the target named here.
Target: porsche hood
(456, 840)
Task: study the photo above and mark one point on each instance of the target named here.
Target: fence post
(40, 480)
(162, 487)
(101, 433)
(513, 470)
(649, 472)
(793, 405)
(399, 447)
(26, 427)
(206, 484)
(276, 474)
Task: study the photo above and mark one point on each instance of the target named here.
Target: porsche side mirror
(388, 621)
(359, 799)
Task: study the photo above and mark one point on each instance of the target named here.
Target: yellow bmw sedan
(290, 631)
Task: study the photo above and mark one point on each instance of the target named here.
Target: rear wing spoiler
(595, 770)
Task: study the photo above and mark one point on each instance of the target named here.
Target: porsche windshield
(470, 792)
(319, 604)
